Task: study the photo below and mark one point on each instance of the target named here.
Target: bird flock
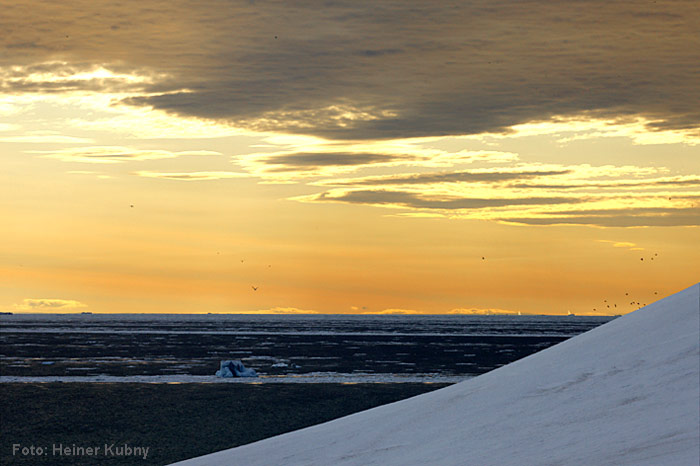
(634, 303)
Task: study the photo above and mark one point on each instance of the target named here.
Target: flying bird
(255, 288)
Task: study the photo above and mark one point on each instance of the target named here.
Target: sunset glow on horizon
(332, 157)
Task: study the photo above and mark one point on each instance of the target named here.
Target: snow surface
(625, 393)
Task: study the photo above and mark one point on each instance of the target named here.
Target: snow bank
(625, 393)
(234, 369)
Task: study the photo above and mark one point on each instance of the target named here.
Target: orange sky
(171, 159)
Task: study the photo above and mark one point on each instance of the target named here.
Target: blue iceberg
(234, 369)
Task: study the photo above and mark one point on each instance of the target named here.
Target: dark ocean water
(298, 348)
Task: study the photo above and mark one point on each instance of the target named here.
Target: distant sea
(177, 348)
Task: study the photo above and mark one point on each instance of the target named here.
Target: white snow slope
(625, 393)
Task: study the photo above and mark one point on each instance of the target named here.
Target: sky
(348, 157)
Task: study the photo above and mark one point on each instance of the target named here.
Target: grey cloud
(378, 52)
(22, 45)
(445, 177)
(629, 212)
(96, 85)
(408, 68)
(306, 161)
(681, 182)
(618, 217)
(45, 303)
(418, 201)
(623, 218)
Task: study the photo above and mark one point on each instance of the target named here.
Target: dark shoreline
(176, 421)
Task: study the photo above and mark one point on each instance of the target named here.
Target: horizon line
(509, 314)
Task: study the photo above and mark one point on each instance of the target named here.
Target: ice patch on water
(236, 368)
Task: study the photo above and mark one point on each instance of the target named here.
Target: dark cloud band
(418, 201)
(397, 69)
(672, 183)
(306, 161)
(623, 219)
(446, 177)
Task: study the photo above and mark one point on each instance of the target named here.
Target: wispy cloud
(193, 176)
(458, 311)
(279, 310)
(627, 217)
(62, 77)
(310, 163)
(476, 311)
(463, 176)
(550, 177)
(667, 182)
(586, 125)
(394, 312)
(48, 305)
(45, 137)
(622, 244)
(615, 196)
(322, 159)
(419, 201)
(113, 154)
